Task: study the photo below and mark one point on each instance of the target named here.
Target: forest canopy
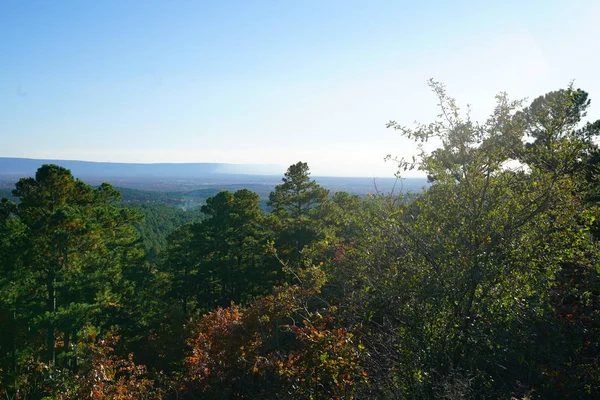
(484, 285)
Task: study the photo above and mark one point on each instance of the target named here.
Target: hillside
(17, 167)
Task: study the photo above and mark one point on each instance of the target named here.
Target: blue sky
(271, 81)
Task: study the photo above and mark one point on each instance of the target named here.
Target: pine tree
(70, 245)
(294, 203)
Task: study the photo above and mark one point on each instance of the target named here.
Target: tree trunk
(66, 347)
(14, 343)
(51, 305)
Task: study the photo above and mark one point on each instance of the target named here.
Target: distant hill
(7, 193)
(21, 167)
(191, 183)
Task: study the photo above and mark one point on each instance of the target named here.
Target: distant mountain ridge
(186, 177)
(11, 167)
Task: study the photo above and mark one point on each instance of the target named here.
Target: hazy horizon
(237, 168)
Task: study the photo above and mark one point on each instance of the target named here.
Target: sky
(272, 82)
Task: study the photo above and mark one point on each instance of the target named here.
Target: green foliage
(160, 220)
(232, 239)
(222, 258)
(64, 256)
(295, 203)
(297, 195)
(129, 195)
(459, 284)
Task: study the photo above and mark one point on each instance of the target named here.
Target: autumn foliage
(281, 346)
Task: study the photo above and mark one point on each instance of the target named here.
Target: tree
(463, 278)
(282, 345)
(294, 203)
(563, 146)
(13, 303)
(232, 240)
(222, 258)
(298, 194)
(70, 245)
(181, 264)
(553, 123)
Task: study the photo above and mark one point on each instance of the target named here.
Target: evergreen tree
(295, 202)
(70, 244)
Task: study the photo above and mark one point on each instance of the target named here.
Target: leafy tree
(283, 345)
(100, 374)
(562, 146)
(462, 279)
(553, 122)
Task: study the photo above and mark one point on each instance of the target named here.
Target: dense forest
(485, 285)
